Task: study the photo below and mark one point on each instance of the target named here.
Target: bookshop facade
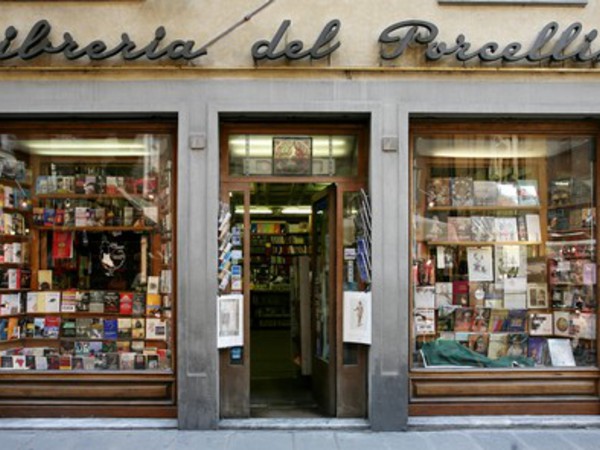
(375, 237)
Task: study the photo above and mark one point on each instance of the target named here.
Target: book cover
(541, 324)
(111, 302)
(443, 294)
(68, 328)
(506, 229)
(110, 329)
(49, 215)
(483, 228)
(39, 324)
(62, 244)
(459, 229)
(507, 194)
(45, 279)
(153, 304)
(138, 328)
(69, 301)
(480, 263)
(126, 361)
(156, 329)
(96, 304)
(424, 321)
(112, 361)
(498, 320)
(561, 352)
(96, 328)
(479, 343)
(51, 301)
(139, 304)
(51, 327)
(153, 285)
(462, 191)
(497, 345)
(517, 344)
(64, 362)
(562, 323)
(438, 192)
(537, 296)
(82, 348)
(515, 293)
(139, 362)
(152, 362)
(481, 321)
(522, 228)
(126, 303)
(485, 193)
(436, 227)
(83, 301)
(538, 350)
(460, 293)
(445, 318)
(463, 319)
(585, 352)
(124, 328)
(534, 233)
(109, 346)
(528, 192)
(424, 297)
(477, 293)
(583, 325)
(510, 261)
(83, 327)
(517, 320)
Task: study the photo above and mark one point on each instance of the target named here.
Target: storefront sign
(570, 45)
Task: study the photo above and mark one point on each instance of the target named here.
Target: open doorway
(281, 291)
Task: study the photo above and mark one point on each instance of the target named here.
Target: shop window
(504, 250)
(87, 249)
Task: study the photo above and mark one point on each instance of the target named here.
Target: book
(462, 191)
(507, 194)
(424, 297)
(110, 329)
(541, 324)
(485, 193)
(51, 301)
(438, 192)
(153, 285)
(527, 191)
(459, 229)
(124, 328)
(479, 343)
(506, 229)
(482, 228)
(517, 320)
(111, 302)
(562, 323)
(583, 325)
(51, 327)
(481, 321)
(138, 328)
(156, 329)
(460, 293)
(480, 263)
(534, 233)
(515, 293)
(68, 328)
(436, 227)
(424, 321)
(153, 304)
(497, 345)
(585, 352)
(443, 294)
(126, 361)
(96, 328)
(517, 344)
(445, 318)
(537, 350)
(498, 320)
(62, 244)
(69, 301)
(510, 261)
(463, 319)
(537, 296)
(126, 303)
(139, 362)
(96, 304)
(139, 304)
(522, 228)
(477, 293)
(561, 352)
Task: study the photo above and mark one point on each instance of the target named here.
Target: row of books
(13, 224)
(15, 278)
(108, 302)
(101, 361)
(557, 323)
(571, 219)
(554, 352)
(464, 191)
(95, 184)
(81, 216)
(525, 228)
(56, 327)
(14, 197)
(14, 252)
(567, 191)
(512, 293)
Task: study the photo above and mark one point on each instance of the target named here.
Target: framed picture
(537, 296)
(230, 323)
(292, 155)
(357, 317)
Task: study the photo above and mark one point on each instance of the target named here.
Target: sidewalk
(172, 439)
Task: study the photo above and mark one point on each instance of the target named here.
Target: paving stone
(313, 440)
(358, 440)
(15, 440)
(395, 441)
(201, 440)
(451, 440)
(544, 439)
(581, 439)
(496, 440)
(260, 440)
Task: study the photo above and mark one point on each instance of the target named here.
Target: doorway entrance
(296, 238)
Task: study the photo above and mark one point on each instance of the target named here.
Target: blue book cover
(110, 328)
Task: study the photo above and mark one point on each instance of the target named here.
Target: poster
(357, 317)
(230, 323)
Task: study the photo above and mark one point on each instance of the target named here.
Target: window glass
(87, 252)
(504, 251)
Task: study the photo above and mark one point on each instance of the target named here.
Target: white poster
(357, 317)
(230, 320)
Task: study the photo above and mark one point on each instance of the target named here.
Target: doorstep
(87, 424)
(474, 422)
(294, 424)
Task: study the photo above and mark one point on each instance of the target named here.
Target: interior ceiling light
(254, 210)
(300, 210)
(86, 147)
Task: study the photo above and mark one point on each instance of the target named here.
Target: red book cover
(62, 244)
(460, 293)
(126, 303)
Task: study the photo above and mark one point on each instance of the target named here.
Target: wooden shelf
(13, 265)
(588, 204)
(16, 237)
(14, 183)
(482, 243)
(73, 196)
(6, 290)
(485, 208)
(10, 209)
(84, 314)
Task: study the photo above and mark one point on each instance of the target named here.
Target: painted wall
(362, 22)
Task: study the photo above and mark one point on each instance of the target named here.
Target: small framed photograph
(537, 296)
(292, 155)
